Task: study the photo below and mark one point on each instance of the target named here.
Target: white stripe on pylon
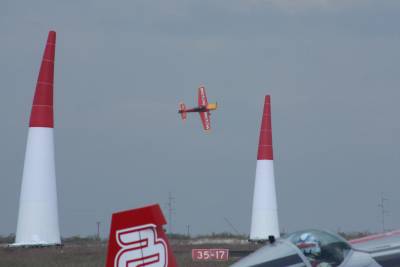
(38, 214)
(264, 220)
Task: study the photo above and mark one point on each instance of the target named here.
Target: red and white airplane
(203, 109)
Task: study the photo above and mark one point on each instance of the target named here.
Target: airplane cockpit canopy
(320, 248)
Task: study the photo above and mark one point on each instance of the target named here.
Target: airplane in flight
(203, 109)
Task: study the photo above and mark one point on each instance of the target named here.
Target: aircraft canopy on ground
(317, 248)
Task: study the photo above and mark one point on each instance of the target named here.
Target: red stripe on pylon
(42, 108)
(265, 142)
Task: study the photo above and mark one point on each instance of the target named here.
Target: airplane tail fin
(137, 237)
(182, 110)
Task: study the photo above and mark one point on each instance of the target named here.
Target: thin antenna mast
(231, 225)
(98, 230)
(171, 210)
(188, 230)
(384, 212)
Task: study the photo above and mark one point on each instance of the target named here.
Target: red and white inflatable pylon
(264, 222)
(38, 214)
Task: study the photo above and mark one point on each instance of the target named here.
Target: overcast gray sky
(331, 66)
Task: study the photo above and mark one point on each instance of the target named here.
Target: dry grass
(92, 254)
(67, 256)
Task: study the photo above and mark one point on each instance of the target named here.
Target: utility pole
(188, 230)
(171, 210)
(98, 230)
(384, 212)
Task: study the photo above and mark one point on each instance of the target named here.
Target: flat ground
(94, 254)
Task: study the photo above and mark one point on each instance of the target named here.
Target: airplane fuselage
(205, 108)
(196, 109)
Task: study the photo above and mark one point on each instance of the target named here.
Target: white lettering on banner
(141, 247)
(211, 254)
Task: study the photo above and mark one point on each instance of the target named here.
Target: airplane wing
(384, 248)
(205, 120)
(202, 97)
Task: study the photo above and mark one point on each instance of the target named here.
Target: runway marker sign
(210, 254)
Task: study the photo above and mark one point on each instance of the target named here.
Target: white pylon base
(264, 221)
(38, 214)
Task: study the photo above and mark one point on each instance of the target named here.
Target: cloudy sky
(332, 68)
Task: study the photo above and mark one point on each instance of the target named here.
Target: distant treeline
(354, 235)
(7, 239)
(173, 236)
(212, 235)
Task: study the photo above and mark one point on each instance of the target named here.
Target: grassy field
(94, 254)
(89, 256)
(90, 252)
